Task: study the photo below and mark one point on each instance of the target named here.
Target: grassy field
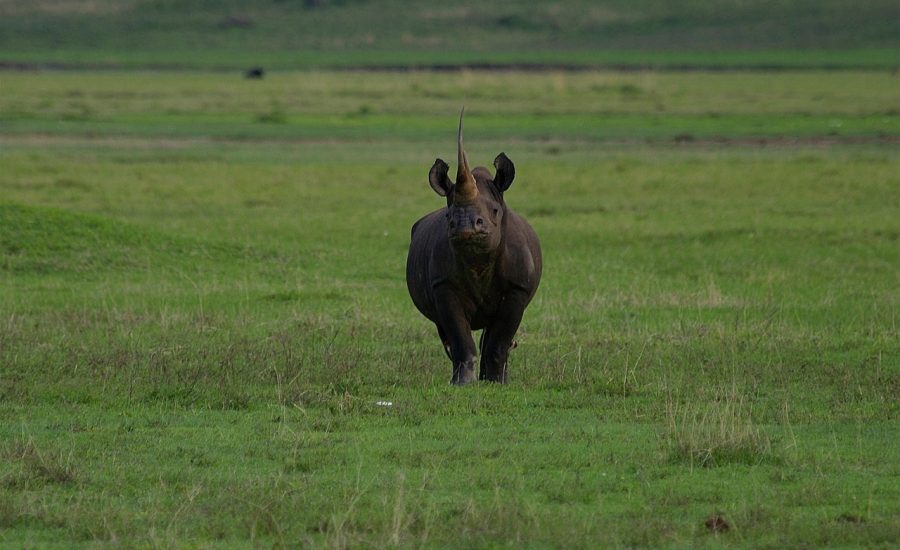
(352, 33)
(202, 304)
(504, 106)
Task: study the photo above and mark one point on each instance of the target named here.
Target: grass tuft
(37, 467)
(715, 433)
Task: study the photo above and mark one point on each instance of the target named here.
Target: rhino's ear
(438, 178)
(506, 172)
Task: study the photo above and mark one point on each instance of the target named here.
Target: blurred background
(390, 33)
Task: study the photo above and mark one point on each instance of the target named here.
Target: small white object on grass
(384, 403)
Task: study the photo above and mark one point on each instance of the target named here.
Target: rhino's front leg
(455, 326)
(498, 337)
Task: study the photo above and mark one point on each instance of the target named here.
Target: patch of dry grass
(36, 466)
(716, 432)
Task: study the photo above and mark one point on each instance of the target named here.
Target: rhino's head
(475, 206)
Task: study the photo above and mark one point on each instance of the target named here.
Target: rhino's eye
(496, 211)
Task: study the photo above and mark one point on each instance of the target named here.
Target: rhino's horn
(465, 182)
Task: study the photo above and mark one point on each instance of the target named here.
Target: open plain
(203, 311)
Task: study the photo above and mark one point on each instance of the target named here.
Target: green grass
(197, 325)
(234, 60)
(288, 34)
(420, 106)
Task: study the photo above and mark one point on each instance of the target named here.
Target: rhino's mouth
(469, 236)
(470, 240)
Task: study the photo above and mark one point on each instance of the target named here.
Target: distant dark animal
(473, 265)
(236, 22)
(255, 72)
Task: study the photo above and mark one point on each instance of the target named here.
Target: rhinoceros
(474, 265)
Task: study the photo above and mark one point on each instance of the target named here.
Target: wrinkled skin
(474, 265)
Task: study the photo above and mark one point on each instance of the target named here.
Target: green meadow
(203, 312)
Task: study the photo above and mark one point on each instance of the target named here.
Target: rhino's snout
(465, 225)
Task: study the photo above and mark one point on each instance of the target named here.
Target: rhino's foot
(464, 373)
(497, 375)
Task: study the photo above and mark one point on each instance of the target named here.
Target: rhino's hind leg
(498, 337)
(494, 358)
